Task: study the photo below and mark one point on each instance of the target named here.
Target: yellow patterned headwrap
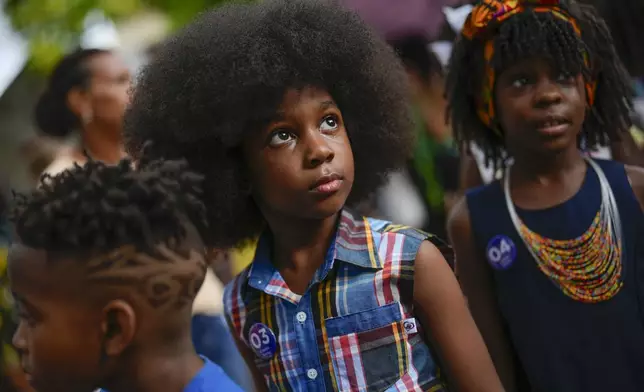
(495, 12)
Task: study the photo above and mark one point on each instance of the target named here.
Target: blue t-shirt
(209, 379)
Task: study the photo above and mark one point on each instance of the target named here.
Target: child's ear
(118, 327)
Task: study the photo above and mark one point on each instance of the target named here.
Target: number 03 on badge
(262, 341)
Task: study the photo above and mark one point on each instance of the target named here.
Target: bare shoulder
(430, 257)
(636, 178)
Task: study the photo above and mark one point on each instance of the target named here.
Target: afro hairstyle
(226, 74)
(532, 34)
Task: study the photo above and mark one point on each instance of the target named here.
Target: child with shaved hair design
(104, 273)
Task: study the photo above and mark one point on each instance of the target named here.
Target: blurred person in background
(422, 194)
(83, 107)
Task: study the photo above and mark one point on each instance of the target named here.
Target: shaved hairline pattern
(164, 280)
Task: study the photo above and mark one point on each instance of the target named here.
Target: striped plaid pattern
(347, 331)
(350, 352)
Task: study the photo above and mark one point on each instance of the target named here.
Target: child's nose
(319, 151)
(547, 93)
(19, 341)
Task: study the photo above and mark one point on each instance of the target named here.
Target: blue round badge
(262, 341)
(501, 252)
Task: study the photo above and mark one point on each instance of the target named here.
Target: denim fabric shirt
(354, 327)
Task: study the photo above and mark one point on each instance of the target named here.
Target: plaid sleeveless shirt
(353, 329)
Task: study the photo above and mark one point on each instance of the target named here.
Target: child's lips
(553, 125)
(328, 187)
(27, 374)
(328, 183)
(554, 130)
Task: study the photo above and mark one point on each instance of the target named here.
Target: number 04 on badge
(501, 252)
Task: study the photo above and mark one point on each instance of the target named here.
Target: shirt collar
(355, 242)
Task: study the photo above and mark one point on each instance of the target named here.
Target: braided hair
(532, 34)
(97, 208)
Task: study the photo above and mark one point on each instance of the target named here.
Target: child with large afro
(293, 110)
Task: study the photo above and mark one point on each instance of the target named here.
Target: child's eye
(519, 82)
(20, 316)
(565, 78)
(280, 137)
(329, 124)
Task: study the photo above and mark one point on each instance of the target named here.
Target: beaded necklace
(589, 267)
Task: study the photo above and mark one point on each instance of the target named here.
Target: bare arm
(442, 309)
(247, 354)
(476, 281)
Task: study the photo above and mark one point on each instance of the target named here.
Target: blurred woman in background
(83, 106)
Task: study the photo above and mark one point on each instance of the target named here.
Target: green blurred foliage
(52, 26)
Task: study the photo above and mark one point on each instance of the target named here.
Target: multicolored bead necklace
(589, 267)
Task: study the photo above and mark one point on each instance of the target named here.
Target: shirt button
(301, 317)
(312, 374)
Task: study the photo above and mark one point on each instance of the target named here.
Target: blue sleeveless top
(566, 345)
